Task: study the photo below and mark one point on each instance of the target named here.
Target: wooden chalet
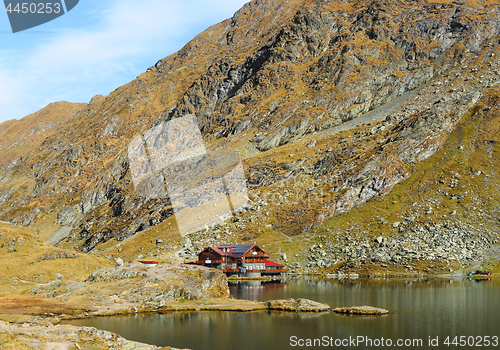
(241, 259)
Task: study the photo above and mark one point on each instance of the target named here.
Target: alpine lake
(425, 313)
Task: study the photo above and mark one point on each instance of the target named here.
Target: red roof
(272, 263)
(234, 250)
(148, 262)
(216, 249)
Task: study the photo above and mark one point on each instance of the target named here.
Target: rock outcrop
(361, 310)
(33, 335)
(297, 305)
(136, 286)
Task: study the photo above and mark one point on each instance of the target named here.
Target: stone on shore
(297, 305)
(361, 310)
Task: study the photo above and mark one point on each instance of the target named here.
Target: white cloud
(75, 64)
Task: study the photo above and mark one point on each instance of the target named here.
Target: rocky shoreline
(35, 318)
(49, 330)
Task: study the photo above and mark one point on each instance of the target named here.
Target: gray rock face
(112, 128)
(59, 235)
(70, 216)
(4, 195)
(411, 36)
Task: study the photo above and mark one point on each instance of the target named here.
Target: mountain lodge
(245, 259)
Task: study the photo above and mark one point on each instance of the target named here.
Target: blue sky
(95, 48)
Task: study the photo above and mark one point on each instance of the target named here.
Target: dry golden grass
(11, 305)
(32, 261)
(12, 342)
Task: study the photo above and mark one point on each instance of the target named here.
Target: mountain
(18, 137)
(366, 130)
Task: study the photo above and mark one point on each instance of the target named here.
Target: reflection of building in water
(240, 259)
(257, 289)
(252, 290)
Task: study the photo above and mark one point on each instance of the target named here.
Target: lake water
(420, 310)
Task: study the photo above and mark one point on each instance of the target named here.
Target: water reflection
(419, 309)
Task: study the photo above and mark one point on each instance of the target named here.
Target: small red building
(247, 259)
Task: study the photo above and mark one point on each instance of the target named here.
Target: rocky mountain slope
(349, 117)
(19, 137)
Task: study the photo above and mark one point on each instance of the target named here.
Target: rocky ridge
(20, 137)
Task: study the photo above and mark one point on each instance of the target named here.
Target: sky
(95, 48)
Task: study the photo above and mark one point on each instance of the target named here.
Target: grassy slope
(23, 268)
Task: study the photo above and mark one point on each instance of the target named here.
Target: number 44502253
(27, 7)
(471, 341)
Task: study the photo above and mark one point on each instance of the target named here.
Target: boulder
(361, 310)
(297, 305)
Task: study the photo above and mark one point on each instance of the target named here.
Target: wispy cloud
(121, 41)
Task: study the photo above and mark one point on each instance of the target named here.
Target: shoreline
(67, 311)
(33, 330)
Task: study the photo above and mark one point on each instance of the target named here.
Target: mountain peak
(18, 136)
